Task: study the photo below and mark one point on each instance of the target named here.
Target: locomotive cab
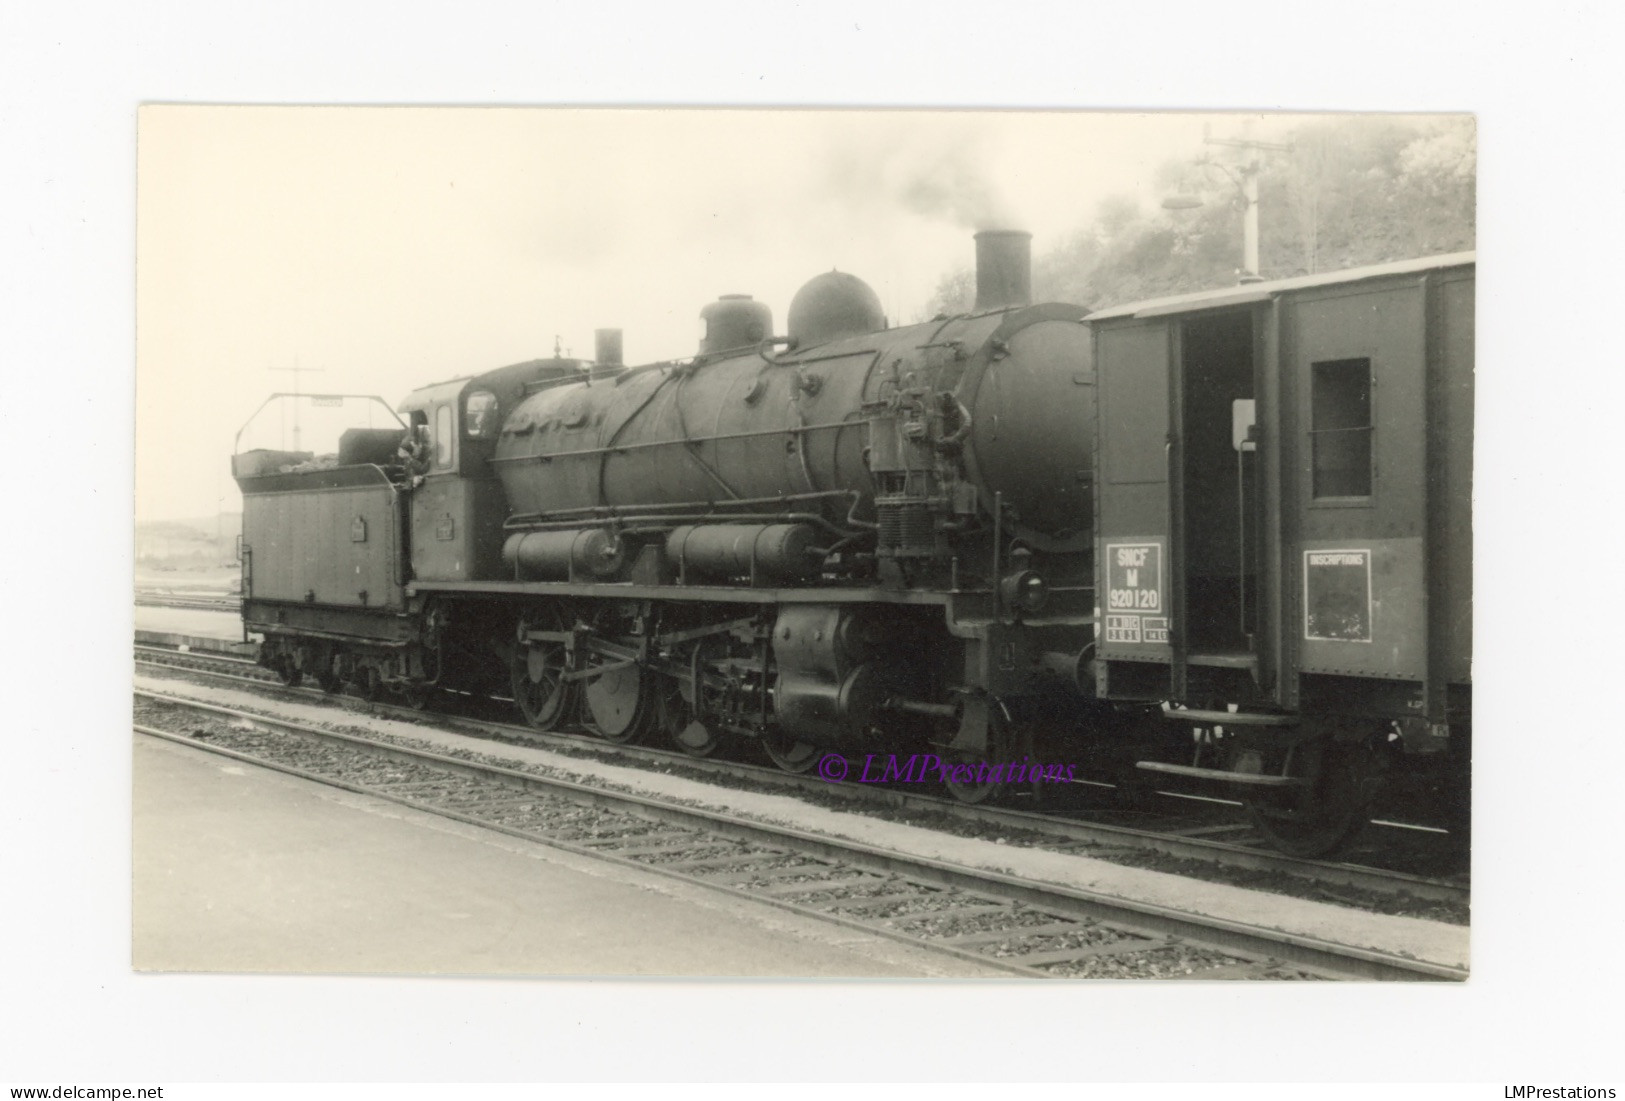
(457, 503)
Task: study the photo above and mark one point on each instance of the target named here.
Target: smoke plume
(934, 173)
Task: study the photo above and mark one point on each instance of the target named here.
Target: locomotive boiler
(910, 432)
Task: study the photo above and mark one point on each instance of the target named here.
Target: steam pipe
(612, 512)
(922, 707)
(680, 519)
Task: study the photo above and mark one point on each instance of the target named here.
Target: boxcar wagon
(1284, 528)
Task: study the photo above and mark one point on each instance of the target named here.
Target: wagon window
(442, 437)
(480, 415)
(1340, 427)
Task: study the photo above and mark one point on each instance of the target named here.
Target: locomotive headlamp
(1023, 591)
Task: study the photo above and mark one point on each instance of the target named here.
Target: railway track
(1173, 844)
(999, 919)
(198, 602)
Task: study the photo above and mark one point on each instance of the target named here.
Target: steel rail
(1104, 835)
(202, 603)
(582, 850)
(1073, 830)
(1219, 934)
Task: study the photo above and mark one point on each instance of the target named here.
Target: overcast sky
(392, 247)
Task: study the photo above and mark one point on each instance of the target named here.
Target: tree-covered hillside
(1351, 191)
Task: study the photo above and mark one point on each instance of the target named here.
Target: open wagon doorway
(1218, 483)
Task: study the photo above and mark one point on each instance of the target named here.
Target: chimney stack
(1004, 269)
(607, 350)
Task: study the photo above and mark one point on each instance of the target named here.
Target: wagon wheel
(537, 670)
(328, 678)
(1343, 779)
(368, 684)
(287, 672)
(1458, 795)
(790, 754)
(620, 705)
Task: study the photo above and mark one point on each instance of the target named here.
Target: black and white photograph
(781, 544)
(981, 544)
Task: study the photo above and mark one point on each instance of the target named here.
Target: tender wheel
(545, 698)
(1343, 779)
(288, 673)
(417, 695)
(330, 681)
(789, 754)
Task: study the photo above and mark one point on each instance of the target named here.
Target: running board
(1251, 779)
(1227, 718)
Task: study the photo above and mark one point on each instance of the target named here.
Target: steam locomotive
(1220, 540)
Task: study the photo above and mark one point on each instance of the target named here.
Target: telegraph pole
(1252, 151)
(296, 371)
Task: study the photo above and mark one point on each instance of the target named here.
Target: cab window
(443, 441)
(480, 415)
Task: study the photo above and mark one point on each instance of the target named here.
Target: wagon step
(1251, 779)
(1227, 718)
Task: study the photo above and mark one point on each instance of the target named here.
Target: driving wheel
(537, 671)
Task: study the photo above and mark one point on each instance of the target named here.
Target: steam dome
(831, 306)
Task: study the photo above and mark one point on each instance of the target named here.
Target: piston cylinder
(561, 555)
(766, 552)
(826, 693)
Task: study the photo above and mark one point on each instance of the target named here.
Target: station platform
(221, 630)
(239, 869)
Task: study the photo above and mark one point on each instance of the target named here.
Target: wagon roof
(1260, 292)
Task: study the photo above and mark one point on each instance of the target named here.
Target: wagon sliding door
(1132, 582)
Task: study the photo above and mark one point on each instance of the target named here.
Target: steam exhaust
(1004, 269)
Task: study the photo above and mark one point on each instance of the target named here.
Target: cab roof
(515, 375)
